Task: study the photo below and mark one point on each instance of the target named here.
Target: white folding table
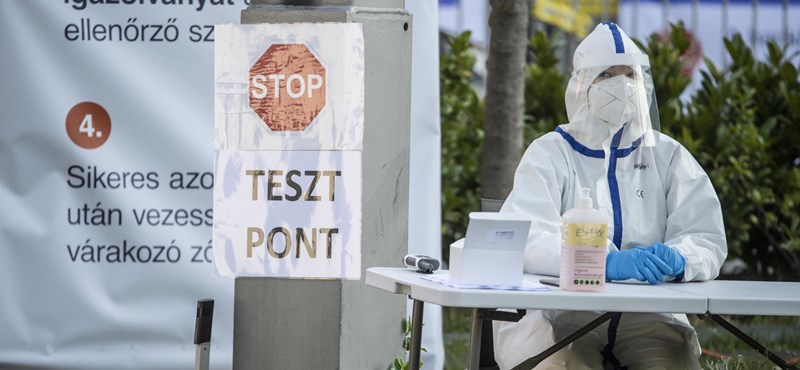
(709, 299)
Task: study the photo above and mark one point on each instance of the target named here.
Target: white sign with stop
(289, 122)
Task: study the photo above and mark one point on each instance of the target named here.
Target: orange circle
(88, 125)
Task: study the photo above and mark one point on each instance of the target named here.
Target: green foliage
(748, 118)
(742, 125)
(780, 334)
(462, 139)
(545, 85)
(670, 75)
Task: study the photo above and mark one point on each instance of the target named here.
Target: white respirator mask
(614, 100)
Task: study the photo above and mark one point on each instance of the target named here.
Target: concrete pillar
(332, 324)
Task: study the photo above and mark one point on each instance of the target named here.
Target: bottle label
(592, 235)
(582, 268)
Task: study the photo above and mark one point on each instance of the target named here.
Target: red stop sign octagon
(287, 87)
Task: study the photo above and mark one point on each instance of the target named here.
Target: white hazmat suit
(649, 186)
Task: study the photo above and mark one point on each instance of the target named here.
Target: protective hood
(610, 89)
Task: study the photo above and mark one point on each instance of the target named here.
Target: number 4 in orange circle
(88, 125)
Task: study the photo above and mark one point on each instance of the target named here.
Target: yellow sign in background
(574, 16)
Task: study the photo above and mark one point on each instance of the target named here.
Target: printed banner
(106, 184)
(289, 121)
(563, 15)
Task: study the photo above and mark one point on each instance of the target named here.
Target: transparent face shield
(603, 99)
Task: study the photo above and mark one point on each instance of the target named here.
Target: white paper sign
(293, 214)
(289, 119)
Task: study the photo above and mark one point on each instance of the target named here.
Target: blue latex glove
(671, 257)
(636, 263)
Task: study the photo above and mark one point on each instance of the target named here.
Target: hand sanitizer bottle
(583, 247)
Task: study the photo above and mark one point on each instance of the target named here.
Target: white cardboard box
(492, 252)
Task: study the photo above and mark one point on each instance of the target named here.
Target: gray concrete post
(331, 324)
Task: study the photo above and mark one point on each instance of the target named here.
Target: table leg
(416, 335)
(750, 341)
(475, 334)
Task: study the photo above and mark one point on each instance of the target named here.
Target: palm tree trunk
(503, 117)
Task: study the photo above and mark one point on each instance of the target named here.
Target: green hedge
(742, 125)
(462, 139)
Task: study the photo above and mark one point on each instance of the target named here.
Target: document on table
(444, 279)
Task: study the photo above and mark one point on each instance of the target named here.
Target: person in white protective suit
(665, 220)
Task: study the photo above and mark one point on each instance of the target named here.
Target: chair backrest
(491, 205)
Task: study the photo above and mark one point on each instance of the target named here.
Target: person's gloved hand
(670, 256)
(636, 263)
